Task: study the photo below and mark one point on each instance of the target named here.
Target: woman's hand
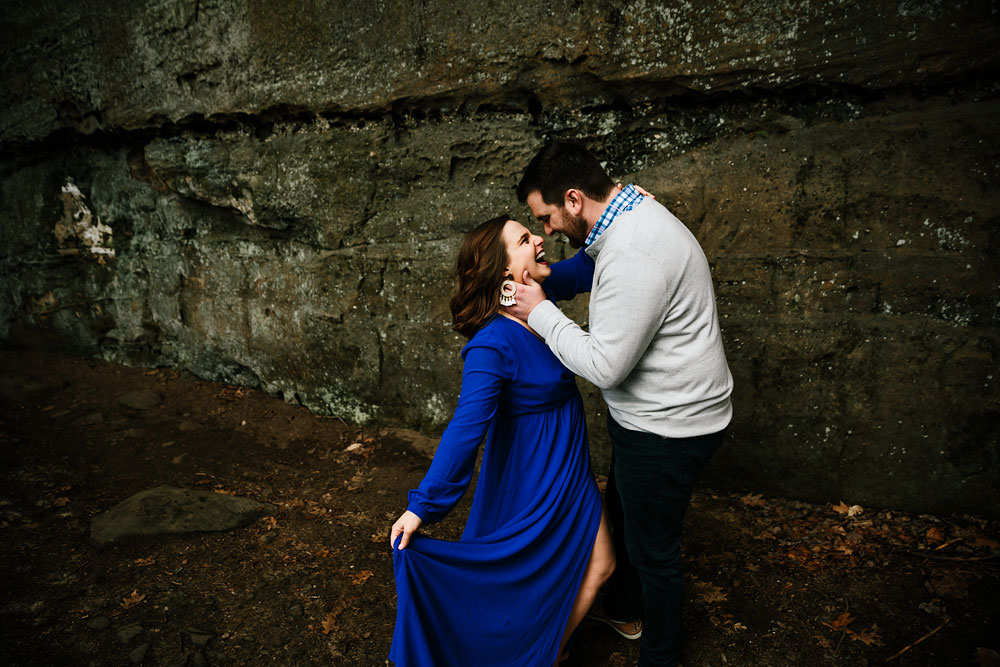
(641, 190)
(405, 525)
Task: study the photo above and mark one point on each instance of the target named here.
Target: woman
(536, 546)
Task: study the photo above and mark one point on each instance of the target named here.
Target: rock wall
(273, 194)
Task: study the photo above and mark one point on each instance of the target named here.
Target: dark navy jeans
(648, 490)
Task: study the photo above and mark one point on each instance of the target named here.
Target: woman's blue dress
(503, 593)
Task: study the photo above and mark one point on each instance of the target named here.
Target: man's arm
(628, 310)
(570, 277)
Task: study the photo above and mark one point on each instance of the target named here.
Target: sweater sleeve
(451, 469)
(625, 314)
(570, 277)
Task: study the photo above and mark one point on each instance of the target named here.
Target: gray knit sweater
(653, 345)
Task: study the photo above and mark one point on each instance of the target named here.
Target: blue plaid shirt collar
(623, 201)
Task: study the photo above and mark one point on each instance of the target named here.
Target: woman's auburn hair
(480, 268)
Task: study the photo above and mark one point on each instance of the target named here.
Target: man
(655, 350)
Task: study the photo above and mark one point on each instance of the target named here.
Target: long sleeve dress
(503, 593)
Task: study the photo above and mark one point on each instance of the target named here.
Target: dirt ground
(771, 581)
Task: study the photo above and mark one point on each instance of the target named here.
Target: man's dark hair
(562, 165)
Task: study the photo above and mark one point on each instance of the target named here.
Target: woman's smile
(525, 252)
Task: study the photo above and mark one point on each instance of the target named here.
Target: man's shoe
(627, 629)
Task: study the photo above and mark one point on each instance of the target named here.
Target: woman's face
(524, 252)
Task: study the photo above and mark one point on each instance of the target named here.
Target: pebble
(199, 637)
(138, 654)
(129, 632)
(199, 660)
(99, 623)
(141, 399)
(295, 610)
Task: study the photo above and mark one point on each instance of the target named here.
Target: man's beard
(575, 229)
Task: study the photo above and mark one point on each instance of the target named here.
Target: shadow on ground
(772, 581)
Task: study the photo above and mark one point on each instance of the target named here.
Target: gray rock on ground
(141, 399)
(99, 623)
(170, 510)
(137, 655)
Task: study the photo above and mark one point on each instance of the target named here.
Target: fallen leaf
(132, 599)
(849, 510)
(986, 542)
(934, 534)
(869, 636)
(823, 641)
(362, 577)
(841, 622)
(843, 548)
(142, 562)
(753, 500)
(329, 623)
(60, 502)
(800, 555)
(708, 593)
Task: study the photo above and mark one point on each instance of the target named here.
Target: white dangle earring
(508, 288)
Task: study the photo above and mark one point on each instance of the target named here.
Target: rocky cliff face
(274, 195)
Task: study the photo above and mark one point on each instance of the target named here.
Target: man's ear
(573, 201)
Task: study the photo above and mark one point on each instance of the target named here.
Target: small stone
(129, 632)
(295, 611)
(138, 654)
(199, 637)
(99, 623)
(141, 399)
(198, 660)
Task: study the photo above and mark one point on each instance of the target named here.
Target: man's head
(559, 183)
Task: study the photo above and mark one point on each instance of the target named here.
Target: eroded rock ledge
(284, 195)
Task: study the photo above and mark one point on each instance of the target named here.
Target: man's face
(558, 219)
